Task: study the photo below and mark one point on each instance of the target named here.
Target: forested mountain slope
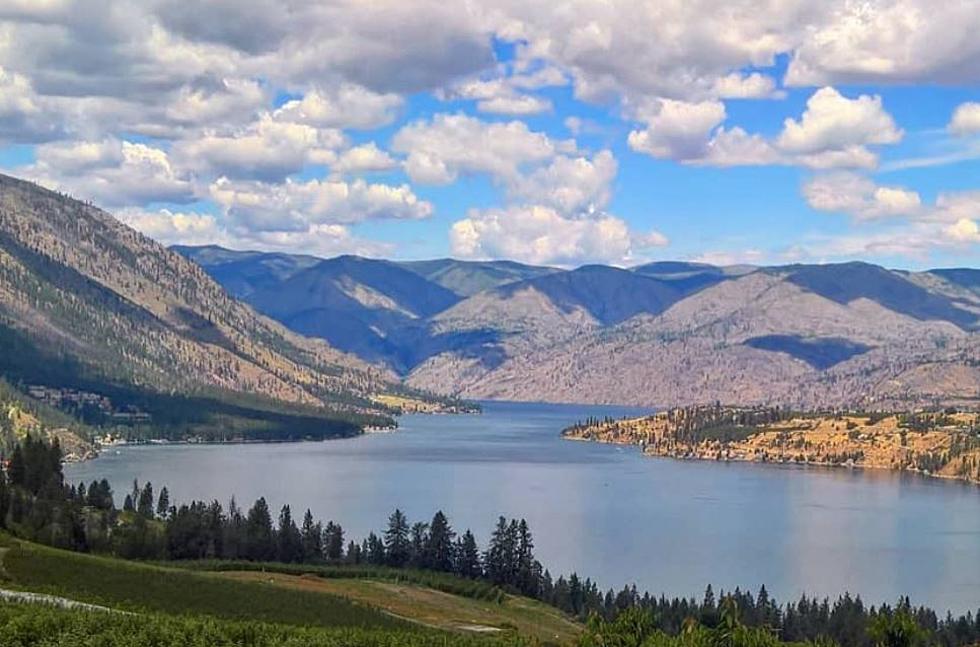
(86, 302)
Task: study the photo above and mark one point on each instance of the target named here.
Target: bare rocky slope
(673, 333)
(86, 302)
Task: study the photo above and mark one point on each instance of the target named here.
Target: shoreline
(98, 449)
(647, 453)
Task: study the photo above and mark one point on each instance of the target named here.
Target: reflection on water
(606, 511)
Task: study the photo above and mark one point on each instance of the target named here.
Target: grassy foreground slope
(268, 608)
(23, 625)
(140, 588)
(432, 607)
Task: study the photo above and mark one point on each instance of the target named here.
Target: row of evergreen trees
(36, 504)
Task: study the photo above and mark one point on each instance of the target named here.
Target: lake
(605, 511)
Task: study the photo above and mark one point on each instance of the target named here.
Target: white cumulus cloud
(966, 119)
(438, 150)
(860, 197)
(294, 205)
(833, 122)
(541, 235)
(268, 149)
(676, 129)
(343, 106)
(365, 158)
(569, 184)
(111, 172)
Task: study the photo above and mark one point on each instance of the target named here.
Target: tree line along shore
(944, 443)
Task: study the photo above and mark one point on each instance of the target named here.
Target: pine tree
(468, 557)
(499, 557)
(575, 594)
(419, 544)
(528, 570)
(396, 543)
(234, 542)
(259, 536)
(289, 540)
(17, 471)
(333, 542)
(374, 549)
(354, 553)
(440, 548)
(163, 503)
(144, 504)
(312, 538)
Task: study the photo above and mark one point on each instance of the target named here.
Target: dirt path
(9, 595)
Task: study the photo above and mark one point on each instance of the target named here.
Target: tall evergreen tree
(144, 504)
(214, 524)
(468, 557)
(374, 550)
(418, 553)
(260, 542)
(528, 570)
(396, 544)
(163, 503)
(235, 541)
(576, 596)
(289, 539)
(333, 541)
(353, 555)
(312, 538)
(495, 562)
(17, 470)
(440, 547)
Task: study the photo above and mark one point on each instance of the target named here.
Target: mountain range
(89, 305)
(664, 333)
(101, 320)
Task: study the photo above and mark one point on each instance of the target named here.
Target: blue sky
(560, 133)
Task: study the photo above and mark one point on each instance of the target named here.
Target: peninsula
(944, 444)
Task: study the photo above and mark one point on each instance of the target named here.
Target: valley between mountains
(844, 335)
(102, 328)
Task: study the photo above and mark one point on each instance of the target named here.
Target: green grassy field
(40, 626)
(444, 582)
(329, 606)
(432, 607)
(137, 587)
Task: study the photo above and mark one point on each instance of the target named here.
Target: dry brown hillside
(759, 338)
(84, 296)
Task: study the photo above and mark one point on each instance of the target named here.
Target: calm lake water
(605, 511)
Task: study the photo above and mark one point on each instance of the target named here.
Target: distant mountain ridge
(664, 333)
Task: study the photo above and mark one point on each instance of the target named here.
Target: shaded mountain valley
(850, 334)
